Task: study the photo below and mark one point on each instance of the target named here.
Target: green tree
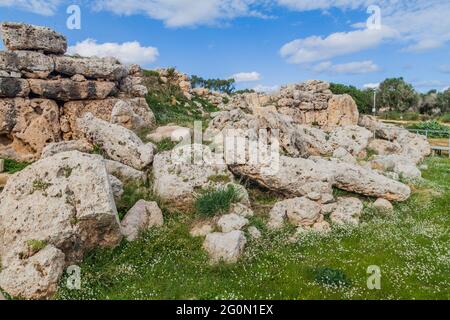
(363, 98)
(443, 101)
(398, 95)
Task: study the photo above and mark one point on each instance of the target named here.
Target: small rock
(226, 247)
(4, 179)
(383, 205)
(201, 230)
(78, 78)
(254, 232)
(143, 216)
(174, 133)
(231, 222)
(322, 226)
(241, 210)
(299, 211)
(348, 211)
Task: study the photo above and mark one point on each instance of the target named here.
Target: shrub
(397, 115)
(217, 201)
(445, 118)
(437, 130)
(331, 277)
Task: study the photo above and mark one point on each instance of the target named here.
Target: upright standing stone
(2, 165)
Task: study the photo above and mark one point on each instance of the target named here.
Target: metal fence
(435, 134)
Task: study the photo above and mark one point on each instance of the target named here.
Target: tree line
(395, 95)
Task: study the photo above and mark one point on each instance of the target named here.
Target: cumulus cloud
(371, 86)
(316, 48)
(42, 7)
(419, 24)
(263, 88)
(181, 13)
(127, 52)
(246, 76)
(357, 67)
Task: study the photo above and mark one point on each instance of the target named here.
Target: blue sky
(266, 43)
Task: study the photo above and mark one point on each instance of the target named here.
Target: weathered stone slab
(67, 90)
(14, 87)
(91, 68)
(20, 36)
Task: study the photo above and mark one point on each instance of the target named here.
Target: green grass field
(411, 247)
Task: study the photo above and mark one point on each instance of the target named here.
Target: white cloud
(263, 88)
(356, 67)
(420, 24)
(180, 13)
(127, 52)
(246, 76)
(316, 48)
(371, 86)
(42, 7)
(428, 84)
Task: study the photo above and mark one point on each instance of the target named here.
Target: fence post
(2, 165)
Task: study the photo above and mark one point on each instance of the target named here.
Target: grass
(165, 145)
(410, 247)
(12, 166)
(213, 202)
(169, 104)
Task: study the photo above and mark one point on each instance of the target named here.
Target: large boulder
(231, 222)
(294, 177)
(384, 147)
(138, 118)
(91, 68)
(64, 201)
(67, 89)
(125, 173)
(30, 64)
(354, 178)
(118, 143)
(402, 165)
(181, 173)
(225, 247)
(354, 139)
(14, 87)
(20, 36)
(342, 111)
(64, 146)
(26, 126)
(9, 65)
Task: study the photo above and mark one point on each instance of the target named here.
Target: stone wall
(307, 103)
(43, 91)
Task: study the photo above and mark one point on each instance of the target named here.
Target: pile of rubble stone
(57, 109)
